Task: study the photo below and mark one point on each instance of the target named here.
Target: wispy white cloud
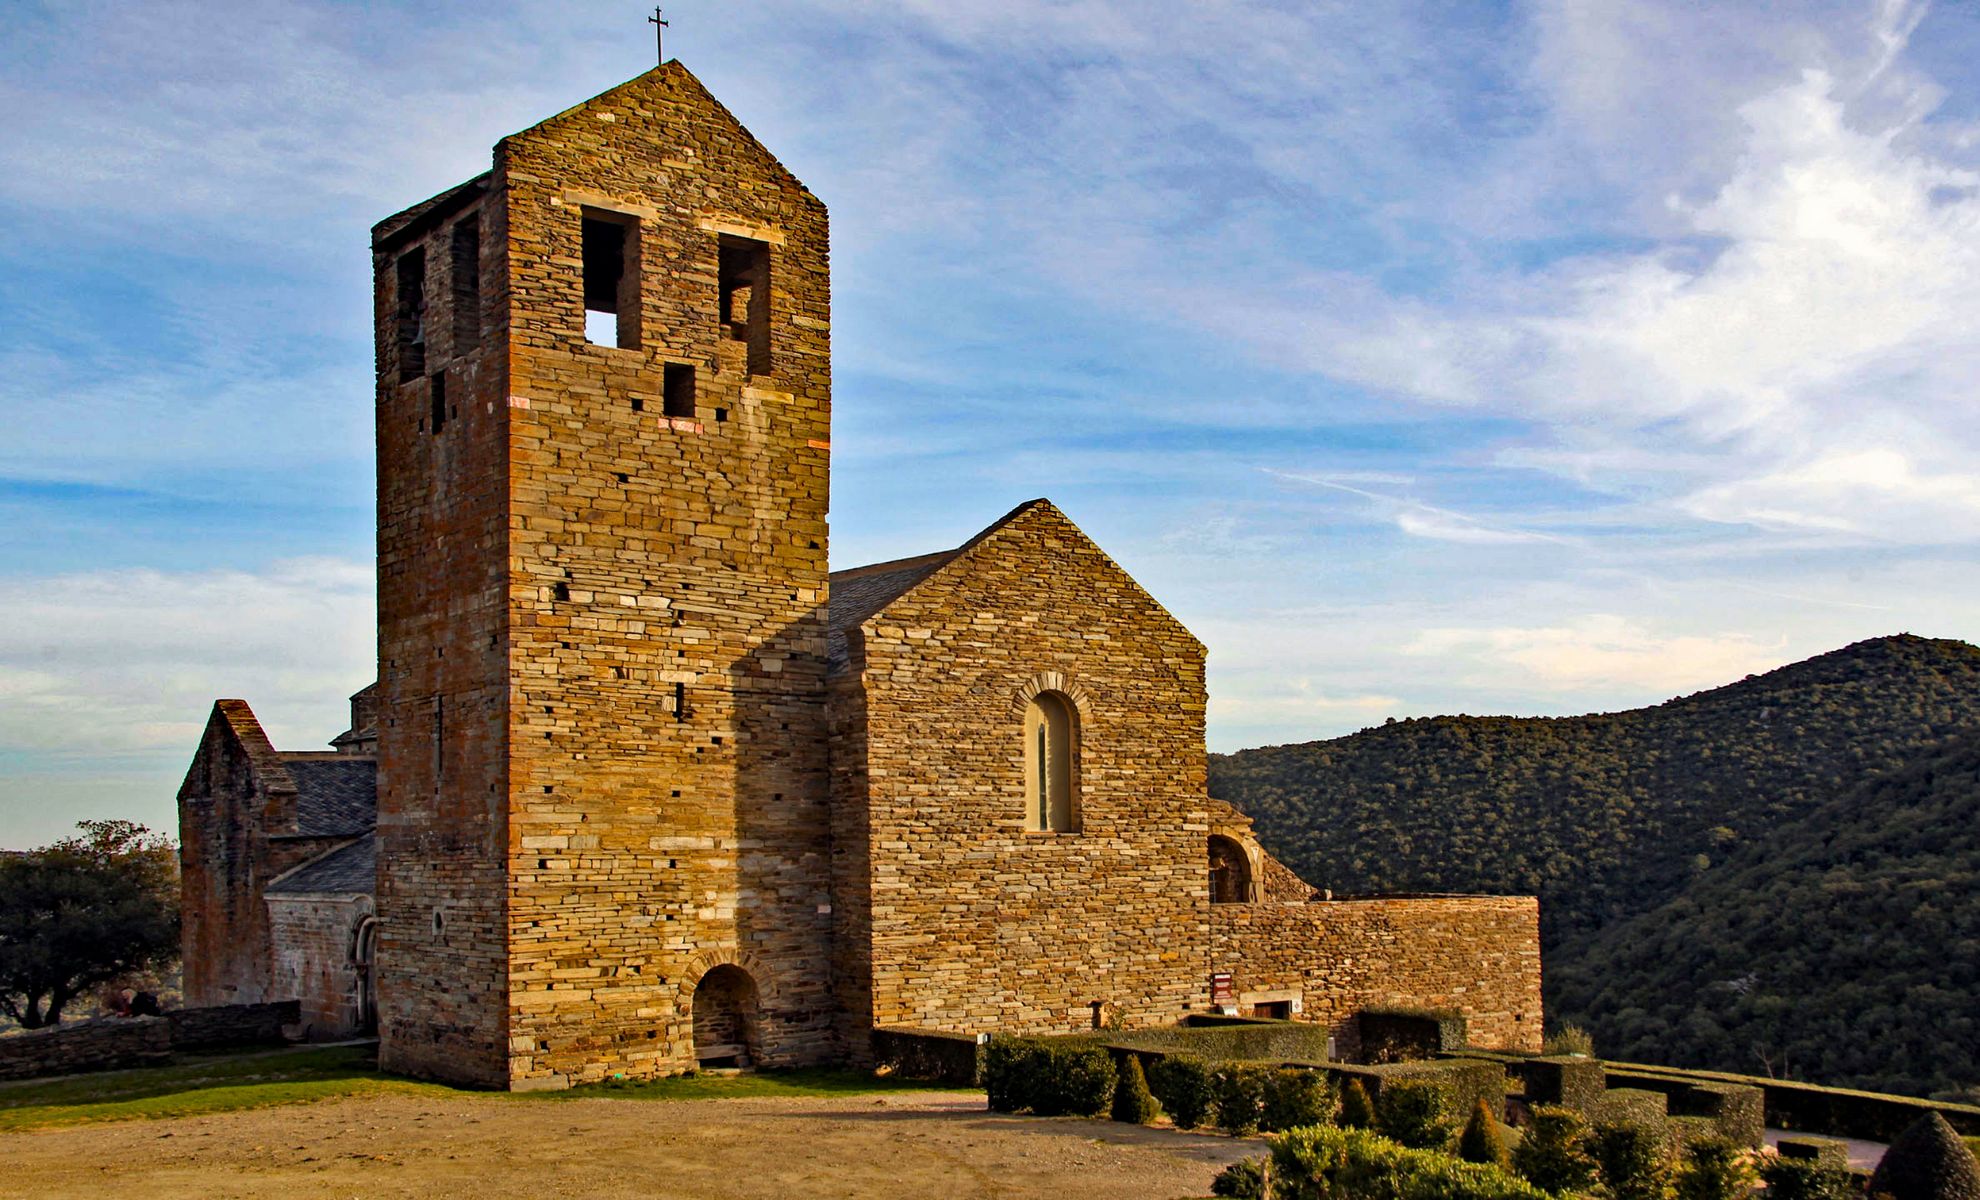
(1601, 651)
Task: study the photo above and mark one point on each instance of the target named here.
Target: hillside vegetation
(1617, 816)
(1846, 946)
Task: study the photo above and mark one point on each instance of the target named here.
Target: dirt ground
(901, 1144)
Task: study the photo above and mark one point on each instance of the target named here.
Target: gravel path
(901, 1144)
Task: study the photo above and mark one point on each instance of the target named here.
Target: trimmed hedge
(1416, 1113)
(1242, 1180)
(1134, 1104)
(1484, 1138)
(1635, 1159)
(1294, 1098)
(1927, 1162)
(1557, 1152)
(1714, 1168)
(1353, 1164)
(1806, 1179)
(1237, 1096)
(1181, 1082)
(1049, 1079)
(1400, 1034)
(1357, 1110)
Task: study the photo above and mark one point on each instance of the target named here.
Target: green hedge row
(1323, 1163)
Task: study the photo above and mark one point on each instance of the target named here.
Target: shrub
(1181, 1082)
(1635, 1160)
(1324, 1163)
(1805, 1179)
(1132, 1101)
(1357, 1110)
(1010, 1065)
(1715, 1168)
(1295, 1098)
(1048, 1079)
(1416, 1113)
(1237, 1094)
(1569, 1038)
(1927, 1162)
(1483, 1139)
(1243, 1179)
(1554, 1154)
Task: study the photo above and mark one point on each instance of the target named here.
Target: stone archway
(364, 956)
(1230, 871)
(725, 1009)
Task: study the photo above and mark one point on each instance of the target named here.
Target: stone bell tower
(603, 413)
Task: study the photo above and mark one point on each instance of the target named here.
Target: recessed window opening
(439, 740)
(611, 280)
(1051, 733)
(744, 273)
(436, 395)
(677, 388)
(409, 314)
(1230, 871)
(466, 264)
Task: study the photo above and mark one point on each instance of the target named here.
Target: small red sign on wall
(1220, 988)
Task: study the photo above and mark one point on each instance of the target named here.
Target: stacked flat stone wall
(619, 609)
(972, 922)
(106, 1044)
(315, 939)
(1478, 956)
(221, 1026)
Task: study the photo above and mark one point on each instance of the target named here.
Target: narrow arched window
(1051, 746)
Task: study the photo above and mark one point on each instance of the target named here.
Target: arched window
(1230, 871)
(1051, 748)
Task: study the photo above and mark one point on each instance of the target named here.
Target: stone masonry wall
(665, 593)
(443, 661)
(315, 938)
(975, 923)
(1477, 954)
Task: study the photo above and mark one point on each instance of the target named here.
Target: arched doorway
(1230, 871)
(725, 1010)
(364, 953)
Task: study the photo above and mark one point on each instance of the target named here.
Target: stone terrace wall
(231, 1025)
(1479, 955)
(107, 1044)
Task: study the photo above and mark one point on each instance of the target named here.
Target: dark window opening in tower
(744, 273)
(410, 312)
(677, 390)
(467, 285)
(611, 280)
(436, 396)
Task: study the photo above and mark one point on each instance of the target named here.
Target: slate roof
(349, 868)
(862, 591)
(336, 794)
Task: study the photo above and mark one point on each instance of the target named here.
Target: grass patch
(199, 1084)
(196, 1085)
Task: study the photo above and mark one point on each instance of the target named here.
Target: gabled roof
(412, 222)
(336, 794)
(350, 868)
(863, 592)
(233, 727)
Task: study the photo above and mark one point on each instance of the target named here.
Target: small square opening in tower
(409, 312)
(677, 390)
(611, 279)
(744, 280)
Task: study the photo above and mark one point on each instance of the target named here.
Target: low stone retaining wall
(105, 1044)
(117, 1043)
(225, 1025)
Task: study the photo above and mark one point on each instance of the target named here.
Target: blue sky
(1541, 358)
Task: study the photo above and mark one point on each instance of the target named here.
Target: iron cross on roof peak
(659, 24)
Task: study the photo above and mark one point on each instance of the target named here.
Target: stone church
(643, 785)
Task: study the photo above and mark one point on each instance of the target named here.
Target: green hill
(1611, 816)
(1844, 947)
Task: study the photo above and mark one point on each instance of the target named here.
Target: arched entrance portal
(725, 1010)
(364, 951)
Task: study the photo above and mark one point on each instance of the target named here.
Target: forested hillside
(1845, 947)
(1610, 816)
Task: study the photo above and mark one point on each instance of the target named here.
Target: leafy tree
(83, 912)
